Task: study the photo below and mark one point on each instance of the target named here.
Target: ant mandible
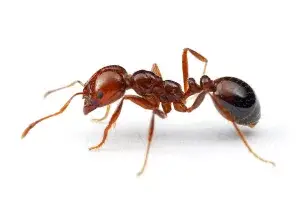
(234, 99)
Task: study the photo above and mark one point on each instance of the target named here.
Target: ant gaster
(234, 99)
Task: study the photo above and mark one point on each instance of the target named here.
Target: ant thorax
(146, 83)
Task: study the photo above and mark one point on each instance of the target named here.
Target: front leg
(104, 117)
(144, 103)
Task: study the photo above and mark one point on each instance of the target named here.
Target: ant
(234, 99)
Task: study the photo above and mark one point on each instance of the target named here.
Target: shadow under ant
(135, 135)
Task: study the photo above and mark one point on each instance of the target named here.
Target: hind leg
(185, 66)
(239, 132)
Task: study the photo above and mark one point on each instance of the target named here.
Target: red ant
(233, 98)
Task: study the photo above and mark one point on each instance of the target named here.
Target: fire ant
(234, 99)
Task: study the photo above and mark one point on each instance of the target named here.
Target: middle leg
(162, 115)
(144, 103)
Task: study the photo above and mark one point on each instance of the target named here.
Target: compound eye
(99, 95)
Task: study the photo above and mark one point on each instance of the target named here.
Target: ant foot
(95, 147)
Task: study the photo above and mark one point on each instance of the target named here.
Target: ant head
(104, 87)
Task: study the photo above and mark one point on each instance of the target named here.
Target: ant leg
(242, 136)
(104, 117)
(49, 116)
(96, 120)
(156, 70)
(161, 114)
(144, 103)
(181, 107)
(197, 102)
(239, 132)
(193, 89)
(54, 90)
(185, 69)
(166, 107)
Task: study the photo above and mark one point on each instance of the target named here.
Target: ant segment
(234, 99)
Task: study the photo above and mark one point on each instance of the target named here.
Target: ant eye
(100, 95)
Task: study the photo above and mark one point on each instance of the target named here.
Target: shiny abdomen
(239, 99)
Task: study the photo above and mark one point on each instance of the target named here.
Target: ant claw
(94, 148)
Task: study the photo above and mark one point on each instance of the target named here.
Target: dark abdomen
(237, 97)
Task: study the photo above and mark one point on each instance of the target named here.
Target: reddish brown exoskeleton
(233, 98)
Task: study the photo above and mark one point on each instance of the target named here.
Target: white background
(195, 158)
